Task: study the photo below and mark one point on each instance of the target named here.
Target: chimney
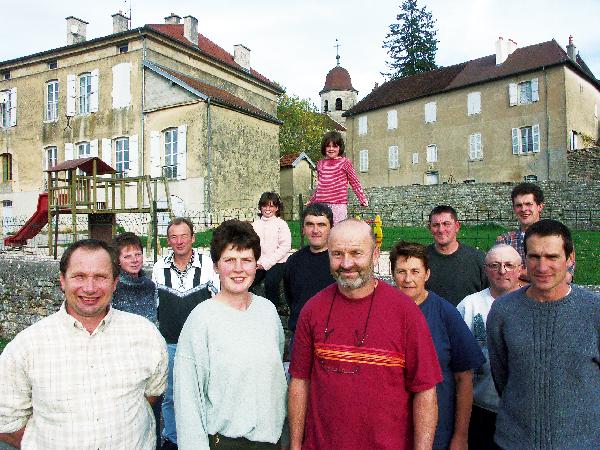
(120, 22)
(173, 19)
(504, 48)
(241, 55)
(75, 30)
(190, 29)
(571, 49)
(511, 47)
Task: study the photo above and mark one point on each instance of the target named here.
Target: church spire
(337, 52)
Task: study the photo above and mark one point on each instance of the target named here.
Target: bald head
(505, 251)
(352, 228)
(503, 267)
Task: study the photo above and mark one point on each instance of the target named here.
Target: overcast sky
(292, 43)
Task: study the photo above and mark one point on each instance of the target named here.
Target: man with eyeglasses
(364, 367)
(544, 353)
(456, 269)
(502, 267)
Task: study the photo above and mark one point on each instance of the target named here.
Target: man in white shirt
(85, 376)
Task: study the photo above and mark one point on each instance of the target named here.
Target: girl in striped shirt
(334, 173)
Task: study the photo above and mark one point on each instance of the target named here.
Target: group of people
(466, 350)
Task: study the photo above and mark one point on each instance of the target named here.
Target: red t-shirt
(369, 405)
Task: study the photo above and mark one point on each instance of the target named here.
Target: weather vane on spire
(337, 51)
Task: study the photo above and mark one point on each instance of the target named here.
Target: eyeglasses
(509, 267)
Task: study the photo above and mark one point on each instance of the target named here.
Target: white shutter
(4, 97)
(133, 156)
(393, 157)
(71, 94)
(478, 145)
(363, 162)
(121, 86)
(95, 74)
(415, 158)
(107, 151)
(516, 141)
(513, 94)
(69, 151)
(45, 159)
(535, 130)
(392, 119)
(472, 151)
(181, 152)
(155, 165)
(535, 96)
(94, 147)
(473, 103)
(430, 112)
(362, 125)
(13, 107)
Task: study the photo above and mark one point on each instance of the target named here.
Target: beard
(364, 276)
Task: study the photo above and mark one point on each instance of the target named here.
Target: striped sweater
(332, 186)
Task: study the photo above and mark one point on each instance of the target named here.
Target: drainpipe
(209, 155)
(547, 123)
(142, 120)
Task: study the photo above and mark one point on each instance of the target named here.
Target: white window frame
(430, 112)
(432, 175)
(475, 147)
(517, 92)
(392, 119)
(393, 161)
(122, 156)
(84, 149)
(473, 103)
(170, 153)
(522, 135)
(432, 153)
(363, 160)
(415, 158)
(52, 100)
(362, 125)
(8, 108)
(84, 87)
(50, 156)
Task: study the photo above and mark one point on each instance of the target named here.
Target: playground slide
(33, 225)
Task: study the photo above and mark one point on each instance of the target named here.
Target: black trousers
(481, 429)
(272, 279)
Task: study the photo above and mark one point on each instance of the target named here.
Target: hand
(364, 205)
(459, 443)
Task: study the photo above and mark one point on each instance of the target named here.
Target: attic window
(52, 64)
(6, 75)
(123, 48)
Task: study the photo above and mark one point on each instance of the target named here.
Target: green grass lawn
(2, 344)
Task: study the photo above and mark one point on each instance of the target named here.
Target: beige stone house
(509, 116)
(161, 99)
(297, 177)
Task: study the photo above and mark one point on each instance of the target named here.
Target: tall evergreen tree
(411, 43)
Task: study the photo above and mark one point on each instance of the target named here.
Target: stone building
(162, 99)
(510, 116)
(337, 95)
(297, 177)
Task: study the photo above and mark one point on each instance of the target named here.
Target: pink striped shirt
(333, 178)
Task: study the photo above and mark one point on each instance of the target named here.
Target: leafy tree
(303, 126)
(411, 44)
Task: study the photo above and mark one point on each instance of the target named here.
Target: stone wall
(584, 164)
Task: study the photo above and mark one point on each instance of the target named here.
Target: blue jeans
(168, 408)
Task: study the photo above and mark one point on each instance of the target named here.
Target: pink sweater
(332, 184)
(275, 240)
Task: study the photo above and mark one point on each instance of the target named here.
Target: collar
(72, 322)
(167, 261)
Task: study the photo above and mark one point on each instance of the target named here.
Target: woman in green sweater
(230, 386)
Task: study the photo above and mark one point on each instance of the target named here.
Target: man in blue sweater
(544, 353)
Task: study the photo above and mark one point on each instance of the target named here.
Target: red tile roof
(287, 160)
(473, 72)
(338, 79)
(207, 47)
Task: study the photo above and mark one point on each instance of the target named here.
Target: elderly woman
(230, 387)
(457, 350)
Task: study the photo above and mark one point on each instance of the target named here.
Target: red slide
(33, 225)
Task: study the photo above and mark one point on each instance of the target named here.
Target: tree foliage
(303, 126)
(411, 42)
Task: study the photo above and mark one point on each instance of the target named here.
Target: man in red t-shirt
(364, 367)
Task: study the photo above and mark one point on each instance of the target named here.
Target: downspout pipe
(208, 155)
(142, 114)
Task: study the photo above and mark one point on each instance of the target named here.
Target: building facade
(511, 116)
(157, 100)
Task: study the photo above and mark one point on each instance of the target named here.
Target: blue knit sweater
(136, 295)
(545, 361)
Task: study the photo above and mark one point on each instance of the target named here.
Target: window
(430, 112)
(432, 178)
(52, 65)
(8, 108)
(326, 106)
(475, 150)
(530, 178)
(415, 158)
(363, 160)
(432, 155)
(473, 103)
(338, 104)
(393, 162)
(362, 125)
(524, 92)
(50, 157)
(170, 167)
(85, 92)
(6, 75)
(392, 119)
(83, 150)
(122, 48)
(122, 156)
(7, 175)
(526, 140)
(52, 101)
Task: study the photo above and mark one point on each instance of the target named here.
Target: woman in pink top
(275, 244)
(334, 173)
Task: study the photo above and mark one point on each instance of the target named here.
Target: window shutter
(393, 162)
(474, 103)
(392, 119)
(535, 96)
(94, 147)
(45, 160)
(155, 165)
(94, 94)
(13, 107)
(478, 145)
(4, 97)
(535, 130)
(181, 152)
(121, 90)
(364, 160)
(71, 94)
(472, 152)
(513, 94)
(415, 158)
(107, 151)
(362, 125)
(516, 147)
(69, 151)
(133, 156)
